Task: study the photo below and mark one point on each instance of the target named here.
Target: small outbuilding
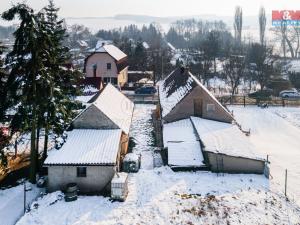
(199, 132)
(182, 95)
(95, 146)
(226, 148)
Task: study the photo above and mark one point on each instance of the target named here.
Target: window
(210, 107)
(108, 66)
(81, 171)
(106, 80)
(112, 80)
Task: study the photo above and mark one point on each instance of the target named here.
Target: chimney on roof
(103, 43)
(182, 69)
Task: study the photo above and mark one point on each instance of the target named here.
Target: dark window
(81, 171)
(106, 80)
(108, 66)
(95, 70)
(114, 80)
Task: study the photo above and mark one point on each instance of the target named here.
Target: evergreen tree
(42, 83)
(3, 107)
(62, 79)
(27, 69)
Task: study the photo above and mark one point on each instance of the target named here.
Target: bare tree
(262, 25)
(238, 24)
(289, 35)
(234, 68)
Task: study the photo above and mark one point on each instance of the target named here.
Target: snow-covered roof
(224, 138)
(112, 50)
(173, 89)
(184, 149)
(116, 106)
(87, 147)
(185, 154)
(178, 131)
(146, 45)
(294, 66)
(178, 85)
(171, 46)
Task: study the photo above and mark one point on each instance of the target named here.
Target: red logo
(286, 15)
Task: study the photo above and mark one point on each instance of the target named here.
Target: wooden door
(198, 104)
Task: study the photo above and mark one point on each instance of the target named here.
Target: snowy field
(161, 196)
(276, 131)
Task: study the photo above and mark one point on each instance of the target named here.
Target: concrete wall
(232, 164)
(101, 59)
(185, 108)
(98, 177)
(93, 118)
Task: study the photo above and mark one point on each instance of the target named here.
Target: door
(198, 104)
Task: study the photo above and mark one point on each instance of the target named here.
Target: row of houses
(199, 132)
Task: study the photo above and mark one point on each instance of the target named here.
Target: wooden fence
(272, 101)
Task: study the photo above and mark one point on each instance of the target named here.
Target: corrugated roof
(224, 138)
(87, 147)
(112, 50)
(116, 106)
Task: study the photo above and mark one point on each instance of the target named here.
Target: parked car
(289, 94)
(146, 90)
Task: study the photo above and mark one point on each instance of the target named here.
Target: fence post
(244, 101)
(24, 184)
(283, 103)
(285, 188)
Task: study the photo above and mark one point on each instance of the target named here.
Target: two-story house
(106, 64)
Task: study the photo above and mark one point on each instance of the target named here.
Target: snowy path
(276, 131)
(141, 130)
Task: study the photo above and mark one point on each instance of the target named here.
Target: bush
(295, 79)
(262, 94)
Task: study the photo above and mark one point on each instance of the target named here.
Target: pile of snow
(131, 157)
(161, 196)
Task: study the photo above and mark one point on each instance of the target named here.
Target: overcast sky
(104, 8)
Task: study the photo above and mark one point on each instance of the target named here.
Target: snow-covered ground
(161, 196)
(12, 202)
(141, 132)
(276, 131)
